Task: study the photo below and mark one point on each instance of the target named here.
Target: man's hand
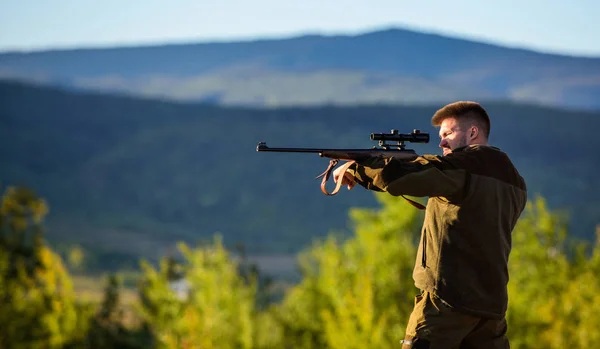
(347, 177)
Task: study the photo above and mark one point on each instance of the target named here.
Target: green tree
(357, 293)
(553, 292)
(210, 306)
(36, 295)
(108, 327)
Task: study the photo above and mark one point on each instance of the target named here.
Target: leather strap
(327, 173)
(332, 164)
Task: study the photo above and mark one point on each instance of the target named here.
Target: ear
(474, 132)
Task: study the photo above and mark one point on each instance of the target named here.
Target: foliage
(208, 306)
(356, 293)
(36, 295)
(554, 299)
(108, 327)
(38, 305)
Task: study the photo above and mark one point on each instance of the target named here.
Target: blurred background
(137, 213)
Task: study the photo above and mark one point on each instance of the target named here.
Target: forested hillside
(130, 177)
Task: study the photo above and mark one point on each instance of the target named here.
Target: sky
(567, 27)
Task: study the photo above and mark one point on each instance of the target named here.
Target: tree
(36, 295)
(357, 293)
(108, 327)
(210, 306)
(553, 291)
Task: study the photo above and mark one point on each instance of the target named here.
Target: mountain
(128, 177)
(393, 66)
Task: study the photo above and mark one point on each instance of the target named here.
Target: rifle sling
(327, 173)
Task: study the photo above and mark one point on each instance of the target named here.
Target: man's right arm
(427, 175)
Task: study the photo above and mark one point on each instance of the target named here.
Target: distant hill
(129, 177)
(394, 66)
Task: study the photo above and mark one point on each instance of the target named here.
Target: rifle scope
(415, 137)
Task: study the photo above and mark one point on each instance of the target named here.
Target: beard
(461, 142)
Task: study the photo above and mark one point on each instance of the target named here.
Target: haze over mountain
(127, 177)
(388, 66)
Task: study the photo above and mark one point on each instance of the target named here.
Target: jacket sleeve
(427, 175)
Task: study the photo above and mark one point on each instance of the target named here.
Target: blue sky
(568, 27)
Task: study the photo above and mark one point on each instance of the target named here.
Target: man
(475, 198)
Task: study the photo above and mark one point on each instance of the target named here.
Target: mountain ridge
(387, 66)
(298, 36)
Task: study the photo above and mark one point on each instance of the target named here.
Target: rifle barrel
(339, 153)
(262, 146)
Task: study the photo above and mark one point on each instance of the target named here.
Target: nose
(443, 143)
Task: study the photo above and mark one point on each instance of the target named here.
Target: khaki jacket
(475, 196)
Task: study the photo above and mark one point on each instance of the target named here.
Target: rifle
(397, 150)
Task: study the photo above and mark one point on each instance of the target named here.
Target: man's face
(452, 136)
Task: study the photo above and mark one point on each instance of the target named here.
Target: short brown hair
(464, 111)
